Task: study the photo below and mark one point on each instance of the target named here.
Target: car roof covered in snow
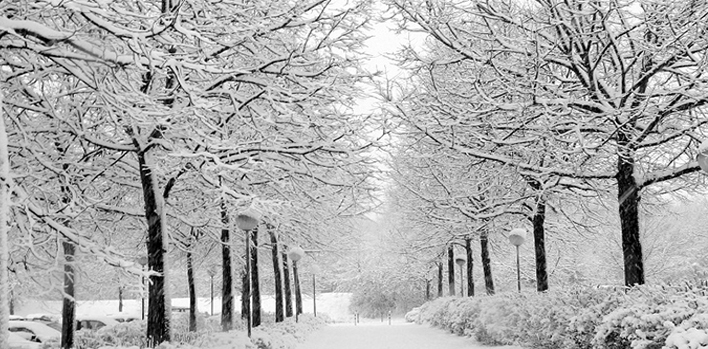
(102, 318)
(42, 331)
(17, 342)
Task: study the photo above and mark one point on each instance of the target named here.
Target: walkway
(398, 335)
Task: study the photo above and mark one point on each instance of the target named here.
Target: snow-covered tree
(615, 90)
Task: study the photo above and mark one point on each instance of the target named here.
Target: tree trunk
(255, 287)
(120, 299)
(192, 292)
(246, 295)
(470, 266)
(5, 184)
(451, 270)
(68, 308)
(539, 239)
(227, 297)
(486, 264)
(245, 300)
(539, 243)
(298, 293)
(12, 296)
(276, 276)
(440, 279)
(286, 283)
(628, 196)
(158, 326)
(427, 290)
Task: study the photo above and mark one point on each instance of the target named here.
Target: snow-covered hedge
(644, 317)
(284, 335)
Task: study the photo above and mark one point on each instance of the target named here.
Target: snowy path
(399, 335)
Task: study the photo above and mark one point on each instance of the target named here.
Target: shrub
(645, 317)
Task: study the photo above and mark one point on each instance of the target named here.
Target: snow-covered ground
(336, 305)
(398, 335)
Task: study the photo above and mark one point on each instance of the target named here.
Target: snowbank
(335, 305)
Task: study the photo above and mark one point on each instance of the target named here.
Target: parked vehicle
(124, 317)
(18, 342)
(34, 331)
(93, 322)
(53, 321)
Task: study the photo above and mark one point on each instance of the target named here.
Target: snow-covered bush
(645, 317)
(648, 316)
(283, 335)
(122, 334)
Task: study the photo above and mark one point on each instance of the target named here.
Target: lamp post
(211, 271)
(247, 221)
(295, 254)
(143, 260)
(315, 271)
(460, 262)
(516, 238)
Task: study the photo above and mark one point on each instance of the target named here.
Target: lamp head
(296, 253)
(142, 260)
(517, 236)
(248, 219)
(460, 261)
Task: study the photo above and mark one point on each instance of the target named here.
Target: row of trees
(514, 109)
(147, 125)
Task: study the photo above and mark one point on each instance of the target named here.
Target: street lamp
(516, 238)
(211, 271)
(143, 260)
(460, 262)
(702, 157)
(296, 253)
(247, 221)
(315, 271)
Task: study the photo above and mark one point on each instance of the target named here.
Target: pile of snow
(334, 305)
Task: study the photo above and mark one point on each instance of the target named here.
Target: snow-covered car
(124, 317)
(18, 342)
(51, 320)
(412, 315)
(94, 322)
(34, 331)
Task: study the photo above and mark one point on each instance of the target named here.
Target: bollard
(389, 317)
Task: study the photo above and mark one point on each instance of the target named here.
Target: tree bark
(245, 300)
(628, 197)
(12, 300)
(539, 242)
(440, 279)
(5, 184)
(158, 326)
(470, 266)
(286, 283)
(227, 297)
(486, 264)
(298, 293)
(192, 292)
(255, 286)
(68, 309)
(276, 276)
(539, 238)
(451, 270)
(120, 299)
